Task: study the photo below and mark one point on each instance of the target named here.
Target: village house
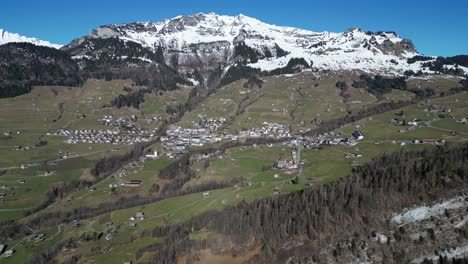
(352, 155)
(39, 238)
(358, 135)
(110, 235)
(414, 122)
(132, 183)
(8, 253)
(275, 191)
(464, 120)
(140, 216)
(397, 121)
(75, 223)
(152, 155)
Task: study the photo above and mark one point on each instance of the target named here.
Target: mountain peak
(7, 37)
(215, 37)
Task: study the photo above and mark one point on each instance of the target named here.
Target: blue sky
(436, 27)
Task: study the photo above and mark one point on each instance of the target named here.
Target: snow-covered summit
(275, 45)
(7, 37)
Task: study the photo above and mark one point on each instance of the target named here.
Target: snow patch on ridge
(7, 37)
(425, 212)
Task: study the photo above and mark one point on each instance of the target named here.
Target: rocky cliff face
(205, 41)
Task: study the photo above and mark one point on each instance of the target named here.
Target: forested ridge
(385, 184)
(23, 65)
(389, 182)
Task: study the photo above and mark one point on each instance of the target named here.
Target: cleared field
(25, 120)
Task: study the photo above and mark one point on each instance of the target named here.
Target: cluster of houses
(5, 189)
(211, 124)
(402, 122)
(153, 119)
(130, 183)
(111, 230)
(105, 136)
(179, 139)
(22, 148)
(428, 141)
(139, 216)
(438, 108)
(127, 122)
(331, 138)
(280, 110)
(29, 164)
(10, 133)
(268, 130)
(38, 238)
(290, 166)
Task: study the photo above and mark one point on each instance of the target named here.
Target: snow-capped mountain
(210, 39)
(7, 37)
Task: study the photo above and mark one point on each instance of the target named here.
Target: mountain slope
(7, 37)
(23, 65)
(206, 40)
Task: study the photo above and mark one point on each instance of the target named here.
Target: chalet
(414, 122)
(133, 183)
(8, 253)
(152, 155)
(397, 122)
(275, 191)
(110, 235)
(352, 155)
(75, 223)
(433, 141)
(358, 135)
(140, 216)
(180, 147)
(39, 238)
(281, 164)
(463, 121)
(291, 168)
(113, 185)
